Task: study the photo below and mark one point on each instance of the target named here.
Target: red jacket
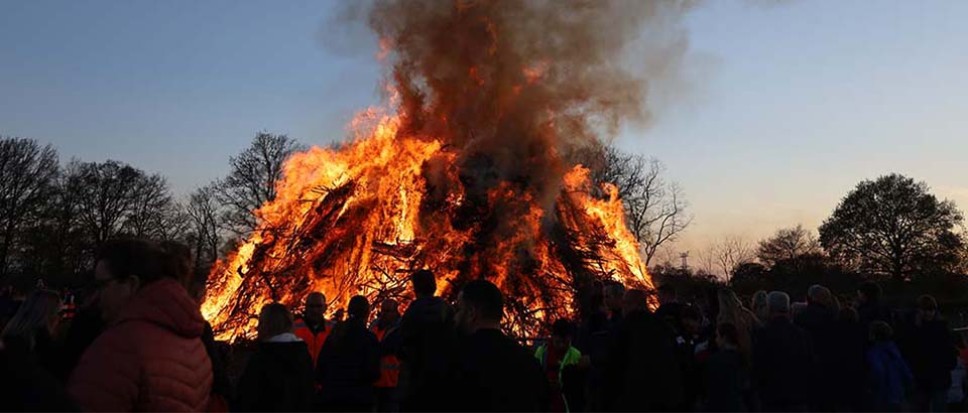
(152, 358)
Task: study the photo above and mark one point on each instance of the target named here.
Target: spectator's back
(279, 376)
(782, 359)
(642, 372)
(427, 344)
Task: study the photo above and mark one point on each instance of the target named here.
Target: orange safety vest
(389, 364)
(314, 342)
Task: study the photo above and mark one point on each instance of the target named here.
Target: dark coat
(725, 379)
(642, 371)
(81, 332)
(278, 377)
(820, 324)
(931, 354)
(221, 385)
(427, 339)
(496, 374)
(25, 385)
(782, 365)
(870, 312)
(348, 366)
(850, 367)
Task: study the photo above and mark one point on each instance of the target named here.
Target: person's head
(635, 300)
(314, 308)
(849, 314)
(927, 307)
(424, 283)
(614, 293)
(561, 333)
(778, 303)
(818, 294)
(759, 304)
(869, 292)
(274, 319)
(358, 308)
(121, 268)
(881, 331)
(667, 294)
(691, 320)
(389, 309)
(727, 335)
(480, 305)
(39, 311)
(178, 261)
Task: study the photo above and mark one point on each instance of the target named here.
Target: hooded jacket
(151, 358)
(279, 377)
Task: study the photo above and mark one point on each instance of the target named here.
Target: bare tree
(174, 222)
(204, 234)
(151, 210)
(725, 255)
(27, 175)
(787, 244)
(656, 210)
(252, 180)
(113, 199)
(103, 194)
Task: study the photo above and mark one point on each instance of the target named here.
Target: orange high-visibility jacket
(314, 342)
(389, 364)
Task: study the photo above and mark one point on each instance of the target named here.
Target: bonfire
(470, 169)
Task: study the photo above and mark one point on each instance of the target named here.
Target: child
(889, 376)
(555, 357)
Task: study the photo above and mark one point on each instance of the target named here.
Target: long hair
(37, 312)
(730, 307)
(731, 311)
(274, 319)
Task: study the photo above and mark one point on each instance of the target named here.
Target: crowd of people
(139, 342)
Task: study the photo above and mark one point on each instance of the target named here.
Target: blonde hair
(39, 311)
(274, 319)
(730, 307)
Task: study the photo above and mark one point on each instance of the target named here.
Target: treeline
(53, 214)
(892, 230)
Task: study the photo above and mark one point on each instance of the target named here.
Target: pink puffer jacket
(151, 359)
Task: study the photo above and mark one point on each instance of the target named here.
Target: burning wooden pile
(468, 173)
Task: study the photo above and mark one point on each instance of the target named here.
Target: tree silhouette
(27, 175)
(788, 244)
(252, 181)
(893, 226)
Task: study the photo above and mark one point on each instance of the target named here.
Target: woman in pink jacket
(150, 357)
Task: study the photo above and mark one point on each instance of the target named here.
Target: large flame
(468, 172)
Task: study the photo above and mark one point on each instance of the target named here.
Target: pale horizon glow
(782, 108)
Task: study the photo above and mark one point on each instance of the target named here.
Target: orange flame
(406, 192)
(354, 221)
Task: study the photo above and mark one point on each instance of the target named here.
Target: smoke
(519, 86)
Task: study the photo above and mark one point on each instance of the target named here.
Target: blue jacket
(890, 376)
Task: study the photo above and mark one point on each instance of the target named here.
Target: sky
(782, 109)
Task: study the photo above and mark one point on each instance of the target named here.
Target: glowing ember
(470, 177)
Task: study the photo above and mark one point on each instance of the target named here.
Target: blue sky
(786, 108)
